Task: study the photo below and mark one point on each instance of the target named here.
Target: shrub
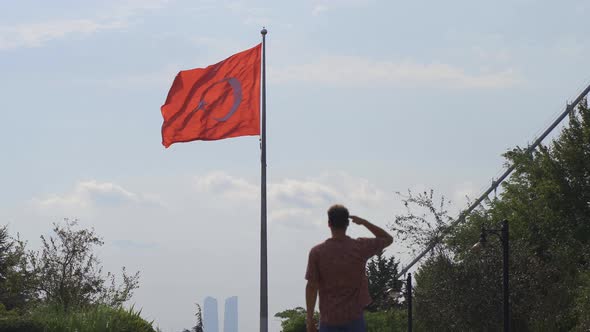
(20, 324)
(94, 319)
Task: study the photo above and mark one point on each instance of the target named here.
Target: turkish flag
(220, 101)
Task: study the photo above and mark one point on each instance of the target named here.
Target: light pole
(409, 295)
(502, 233)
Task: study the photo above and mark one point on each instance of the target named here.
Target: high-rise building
(210, 316)
(230, 315)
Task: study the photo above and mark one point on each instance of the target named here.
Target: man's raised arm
(376, 230)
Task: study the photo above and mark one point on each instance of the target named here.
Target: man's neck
(338, 234)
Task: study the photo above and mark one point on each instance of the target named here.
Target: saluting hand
(358, 220)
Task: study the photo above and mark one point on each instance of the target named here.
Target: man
(336, 269)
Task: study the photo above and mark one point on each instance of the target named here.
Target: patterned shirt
(338, 266)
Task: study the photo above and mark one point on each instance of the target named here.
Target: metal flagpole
(568, 110)
(263, 251)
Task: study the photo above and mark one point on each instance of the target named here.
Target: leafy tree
(16, 281)
(546, 202)
(386, 321)
(383, 284)
(6, 262)
(426, 219)
(69, 274)
(5, 251)
(199, 315)
(199, 326)
(293, 320)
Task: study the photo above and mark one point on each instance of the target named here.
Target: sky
(365, 98)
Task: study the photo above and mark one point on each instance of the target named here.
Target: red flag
(220, 101)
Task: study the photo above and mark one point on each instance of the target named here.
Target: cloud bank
(297, 203)
(37, 34)
(354, 70)
(92, 194)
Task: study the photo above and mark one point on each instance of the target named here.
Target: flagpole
(263, 244)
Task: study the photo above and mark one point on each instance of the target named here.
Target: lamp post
(502, 233)
(393, 293)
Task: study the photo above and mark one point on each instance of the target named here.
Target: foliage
(387, 320)
(199, 326)
(98, 318)
(546, 201)
(379, 321)
(293, 320)
(16, 281)
(5, 253)
(70, 275)
(383, 284)
(61, 287)
(426, 219)
(20, 324)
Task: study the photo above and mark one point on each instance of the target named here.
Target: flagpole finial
(263, 31)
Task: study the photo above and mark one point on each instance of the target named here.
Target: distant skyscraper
(210, 316)
(230, 316)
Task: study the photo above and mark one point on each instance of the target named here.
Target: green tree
(383, 284)
(7, 263)
(293, 320)
(199, 326)
(546, 202)
(16, 280)
(69, 274)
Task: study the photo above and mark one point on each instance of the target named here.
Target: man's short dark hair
(338, 216)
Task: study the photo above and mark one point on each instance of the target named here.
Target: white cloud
(295, 218)
(318, 9)
(228, 186)
(302, 193)
(297, 203)
(36, 34)
(88, 195)
(353, 70)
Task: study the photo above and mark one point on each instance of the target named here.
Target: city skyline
(211, 314)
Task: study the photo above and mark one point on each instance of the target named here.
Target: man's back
(336, 271)
(338, 266)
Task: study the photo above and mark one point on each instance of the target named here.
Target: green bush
(381, 321)
(386, 321)
(293, 320)
(94, 319)
(20, 324)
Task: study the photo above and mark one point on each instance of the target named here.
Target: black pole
(409, 292)
(505, 269)
(263, 243)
